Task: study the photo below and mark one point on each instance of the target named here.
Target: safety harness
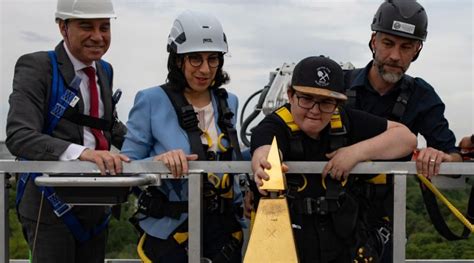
(218, 193)
(329, 203)
(381, 183)
(189, 122)
(400, 105)
(342, 200)
(61, 103)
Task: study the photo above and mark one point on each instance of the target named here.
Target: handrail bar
(150, 167)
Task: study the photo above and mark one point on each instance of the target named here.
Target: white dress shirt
(73, 151)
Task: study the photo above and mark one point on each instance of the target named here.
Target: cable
(37, 225)
(258, 108)
(246, 104)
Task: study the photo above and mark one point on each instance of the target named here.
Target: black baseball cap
(319, 76)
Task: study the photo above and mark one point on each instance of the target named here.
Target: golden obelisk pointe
(277, 182)
(272, 239)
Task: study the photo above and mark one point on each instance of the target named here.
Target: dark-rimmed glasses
(308, 103)
(196, 60)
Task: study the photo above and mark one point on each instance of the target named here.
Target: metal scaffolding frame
(151, 173)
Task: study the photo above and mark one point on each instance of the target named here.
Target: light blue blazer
(153, 128)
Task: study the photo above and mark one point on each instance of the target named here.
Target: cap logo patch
(403, 27)
(322, 76)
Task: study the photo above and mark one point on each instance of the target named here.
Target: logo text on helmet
(403, 27)
(323, 76)
(206, 40)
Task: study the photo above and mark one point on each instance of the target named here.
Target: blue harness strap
(61, 98)
(108, 70)
(61, 209)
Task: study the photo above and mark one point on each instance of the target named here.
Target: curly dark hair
(176, 76)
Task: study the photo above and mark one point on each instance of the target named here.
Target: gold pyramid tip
(277, 180)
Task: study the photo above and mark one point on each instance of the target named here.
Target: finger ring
(432, 160)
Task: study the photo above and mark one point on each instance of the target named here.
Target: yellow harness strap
(180, 237)
(238, 235)
(286, 116)
(140, 251)
(336, 122)
(379, 179)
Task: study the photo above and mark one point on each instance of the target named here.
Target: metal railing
(151, 173)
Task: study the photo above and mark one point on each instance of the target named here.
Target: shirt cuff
(72, 152)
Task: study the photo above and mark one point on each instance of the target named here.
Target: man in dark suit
(85, 27)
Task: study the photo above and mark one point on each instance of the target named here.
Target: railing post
(399, 217)
(195, 217)
(4, 228)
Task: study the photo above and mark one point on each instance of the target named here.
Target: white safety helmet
(196, 32)
(84, 9)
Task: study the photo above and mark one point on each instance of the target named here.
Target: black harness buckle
(322, 206)
(211, 204)
(384, 234)
(311, 206)
(189, 119)
(291, 191)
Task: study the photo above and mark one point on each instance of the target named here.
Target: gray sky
(262, 35)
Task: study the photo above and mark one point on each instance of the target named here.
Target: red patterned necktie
(101, 142)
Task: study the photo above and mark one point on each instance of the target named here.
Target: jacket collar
(64, 63)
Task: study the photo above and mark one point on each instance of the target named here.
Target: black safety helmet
(404, 18)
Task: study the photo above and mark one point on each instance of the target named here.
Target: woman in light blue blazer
(188, 118)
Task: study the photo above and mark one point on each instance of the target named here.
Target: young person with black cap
(316, 95)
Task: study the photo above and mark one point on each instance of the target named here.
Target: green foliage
(18, 245)
(423, 242)
(122, 239)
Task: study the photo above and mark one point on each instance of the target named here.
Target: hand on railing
(107, 162)
(428, 161)
(341, 162)
(176, 161)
